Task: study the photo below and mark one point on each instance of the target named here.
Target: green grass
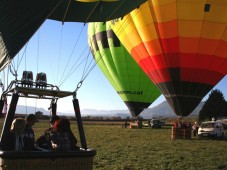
(146, 149)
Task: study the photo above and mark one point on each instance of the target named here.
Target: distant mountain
(31, 109)
(161, 110)
(164, 110)
(105, 113)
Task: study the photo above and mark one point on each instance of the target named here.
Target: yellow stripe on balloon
(167, 29)
(163, 13)
(217, 13)
(208, 30)
(161, 2)
(190, 11)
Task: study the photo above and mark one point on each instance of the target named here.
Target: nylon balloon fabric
(19, 20)
(180, 44)
(128, 79)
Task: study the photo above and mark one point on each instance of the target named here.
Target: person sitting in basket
(44, 140)
(29, 135)
(63, 138)
(15, 139)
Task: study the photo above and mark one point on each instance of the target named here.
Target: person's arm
(73, 139)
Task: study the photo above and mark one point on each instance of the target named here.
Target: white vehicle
(211, 129)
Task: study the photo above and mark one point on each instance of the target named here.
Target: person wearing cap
(29, 135)
(44, 140)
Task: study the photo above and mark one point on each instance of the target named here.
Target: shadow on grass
(210, 138)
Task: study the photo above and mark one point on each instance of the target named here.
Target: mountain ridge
(161, 110)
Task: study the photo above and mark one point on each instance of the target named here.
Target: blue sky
(51, 51)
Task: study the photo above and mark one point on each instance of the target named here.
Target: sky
(54, 49)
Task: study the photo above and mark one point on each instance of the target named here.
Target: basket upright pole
(9, 119)
(79, 123)
(1, 107)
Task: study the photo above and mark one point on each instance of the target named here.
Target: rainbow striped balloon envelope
(180, 44)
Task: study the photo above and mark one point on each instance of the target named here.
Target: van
(211, 129)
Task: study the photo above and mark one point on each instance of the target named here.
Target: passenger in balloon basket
(63, 139)
(15, 139)
(177, 124)
(44, 141)
(29, 135)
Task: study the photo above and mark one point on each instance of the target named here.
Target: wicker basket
(51, 161)
(181, 133)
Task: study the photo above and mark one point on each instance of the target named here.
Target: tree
(214, 106)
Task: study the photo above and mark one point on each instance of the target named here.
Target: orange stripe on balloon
(167, 29)
(198, 45)
(155, 47)
(143, 50)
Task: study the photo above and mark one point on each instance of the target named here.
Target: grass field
(146, 149)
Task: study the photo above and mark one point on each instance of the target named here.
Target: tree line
(214, 107)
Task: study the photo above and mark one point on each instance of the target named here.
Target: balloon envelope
(181, 45)
(19, 20)
(128, 79)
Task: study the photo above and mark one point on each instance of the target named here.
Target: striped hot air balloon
(180, 44)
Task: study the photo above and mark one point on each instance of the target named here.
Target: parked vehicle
(211, 129)
(155, 123)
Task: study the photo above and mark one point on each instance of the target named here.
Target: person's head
(18, 126)
(30, 119)
(53, 119)
(62, 125)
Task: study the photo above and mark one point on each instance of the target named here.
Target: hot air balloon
(181, 45)
(19, 20)
(128, 79)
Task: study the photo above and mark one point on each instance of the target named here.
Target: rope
(74, 47)
(35, 105)
(115, 11)
(59, 56)
(92, 11)
(73, 68)
(86, 70)
(26, 105)
(37, 62)
(66, 12)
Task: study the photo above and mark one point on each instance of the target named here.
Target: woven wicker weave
(47, 164)
(46, 161)
(181, 133)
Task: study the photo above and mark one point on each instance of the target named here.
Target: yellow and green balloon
(128, 79)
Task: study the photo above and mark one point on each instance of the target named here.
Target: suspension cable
(74, 67)
(59, 54)
(37, 57)
(115, 11)
(66, 11)
(92, 11)
(74, 47)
